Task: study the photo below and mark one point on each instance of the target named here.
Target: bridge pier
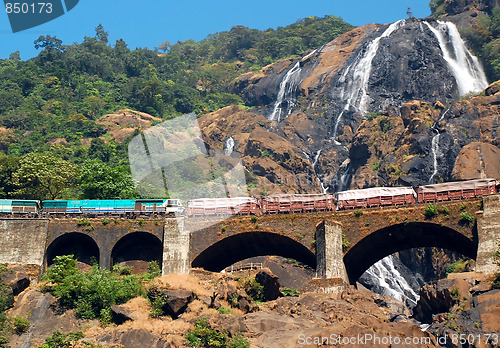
(176, 245)
(329, 255)
(488, 228)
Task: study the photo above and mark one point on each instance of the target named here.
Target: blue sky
(150, 22)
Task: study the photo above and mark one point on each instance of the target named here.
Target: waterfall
(435, 152)
(354, 89)
(228, 146)
(386, 279)
(287, 91)
(462, 64)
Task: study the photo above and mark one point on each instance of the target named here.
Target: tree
(49, 43)
(164, 46)
(100, 181)
(101, 34)
(44, 176)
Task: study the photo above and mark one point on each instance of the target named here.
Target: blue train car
(19, 206)
(112, 206)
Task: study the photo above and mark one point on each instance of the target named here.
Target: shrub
(289, 292)
(345, 242)
(204, 336)
(358, 213)
(64, 266)
(224, 310)
(431, 210)
(466, 217)
(463, 206)
(443, 209)
(83, 222)
(122, 270)
(457, 267)
(254, 218)
(20, 325)
(94, 292)
(105, 221)
(60, 340)
(253, 288)
(455, 294)
(153, 271)
(238, 341)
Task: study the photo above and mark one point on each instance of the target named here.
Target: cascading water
(287, 91)
(435, 146)
(463, 65)
(355, 78)
(386, 279)
(228, 146)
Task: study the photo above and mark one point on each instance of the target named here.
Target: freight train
(273, 204)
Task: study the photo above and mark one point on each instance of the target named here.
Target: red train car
(457, 190)
(376, 196)
(223, 206)
(297, 203)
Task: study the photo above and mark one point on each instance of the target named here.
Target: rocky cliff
(380, 105)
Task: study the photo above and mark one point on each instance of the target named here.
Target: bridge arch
(241, 246)
(137, 246)
(82, 246)
(394, 238)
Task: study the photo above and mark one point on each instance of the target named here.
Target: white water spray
(393, 283)
(463, 65)
(287, 91)
(354, 90)
(228, 146)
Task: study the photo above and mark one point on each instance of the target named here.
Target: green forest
(50, 144)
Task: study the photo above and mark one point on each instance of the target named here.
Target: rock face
(376, 106)
(270, 283)
(174, 302)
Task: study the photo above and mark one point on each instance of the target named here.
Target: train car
(112, 206)
(457, 190)
(376, 196)
(223, 206)
(297, 203)
(172, 206)
(19, 206)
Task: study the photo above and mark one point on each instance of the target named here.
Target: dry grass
(184, 282)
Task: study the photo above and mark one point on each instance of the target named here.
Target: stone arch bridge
(339, 245)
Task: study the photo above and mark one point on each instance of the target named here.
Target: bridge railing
(244, 267)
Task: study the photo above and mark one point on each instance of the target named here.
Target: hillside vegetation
(50, 105)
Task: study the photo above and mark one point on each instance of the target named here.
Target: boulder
(270, 284)
(120, 314)
(17, 279)
(176, 301)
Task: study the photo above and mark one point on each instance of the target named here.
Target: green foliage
(289, 292)
(92, 293)
(238, 341)
(44, 176)
(64, 266)
(431, 210)
(466, 217)
(224, 310)
(455, 294)
(253, 288)
(463, 206)
(457, 267)
(358, 213)
(60, 340)
(122, 270)
(443, 209)
(345, 242)
(484, 39)
(153, 271)
(20, 325)
(204, 336)
(254, 218)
